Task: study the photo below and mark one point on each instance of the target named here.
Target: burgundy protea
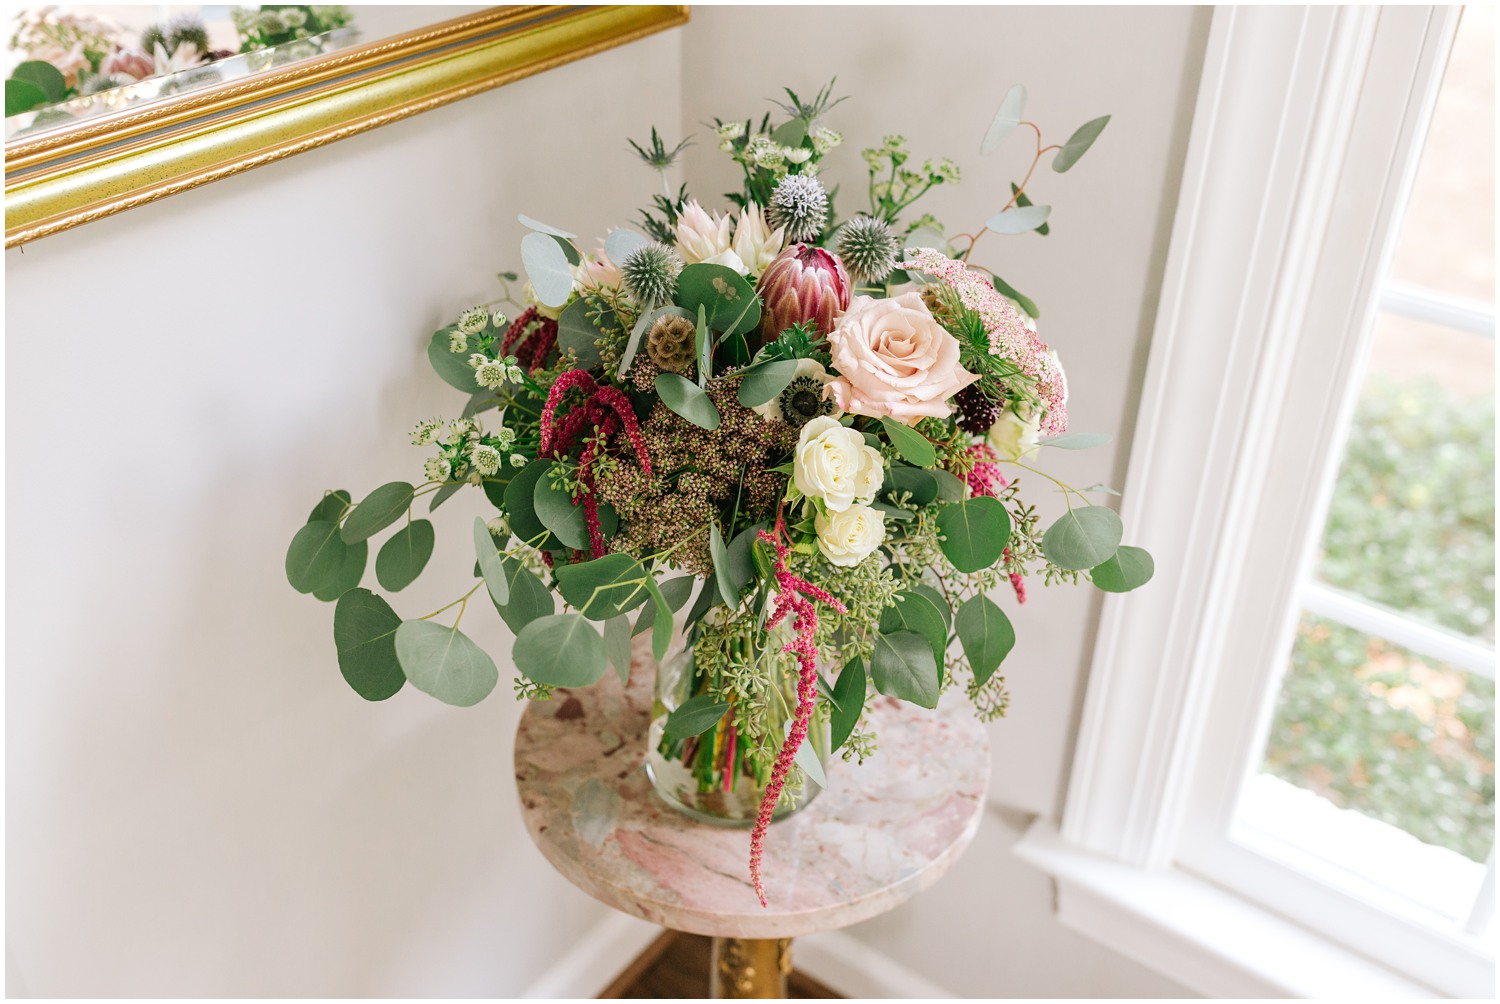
(802, 284)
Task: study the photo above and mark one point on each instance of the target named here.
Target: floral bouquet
(821, 426)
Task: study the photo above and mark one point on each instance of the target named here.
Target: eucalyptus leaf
(542, 228)
(520, 504)
(562, 650)
(916, 613)
(903, 667)
(577, 333)
(1006, 119)
(402, 558)
(663, 625)
(1022, 199)
(1076, 440)
(951, 488)
(1078, 144)
(703, 346)
(848, 702)
(1083, 538)
(1027, 304)
(22, 96)
(453, 367)
(1128, 568)
(806, 757)
(975, 532)
(548, 269)
(1018, 219)
(364, 632)
(938, 600)
(986, 635)
(742, 557)
(558, 513)
(915, 448)
(444, 662)
(790, 133)
(695, 716)
(764, 381)
(605, 587)
(330, 508)
(621, 243)
(44, 77)
(443, 494)
(351, 570)
(376, 511)
(315, 556)
(491, 563)
(893, 512)
(722, 577)
(920, 484)
(617, 645)
(728, 299)
(676, 591)
(688, 400)
(529, 598)
(929, 237)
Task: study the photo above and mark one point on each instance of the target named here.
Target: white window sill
(1209, 940)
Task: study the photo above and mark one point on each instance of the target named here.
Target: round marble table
(881, 832)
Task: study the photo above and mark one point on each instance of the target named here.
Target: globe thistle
(800, 204)
(104, 82)
(186, 28)
(473, 320)
(977, 413)
(868, 249)
(152, 37)
(650, 273)
(486, 459)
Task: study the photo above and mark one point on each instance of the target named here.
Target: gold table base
(746, 968)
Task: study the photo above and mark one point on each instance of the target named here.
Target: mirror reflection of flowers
(820, 425)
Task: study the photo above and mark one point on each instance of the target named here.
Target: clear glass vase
(713, 777)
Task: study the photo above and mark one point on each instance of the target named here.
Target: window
(1200, 810)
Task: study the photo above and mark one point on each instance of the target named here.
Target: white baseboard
(596, 958)
(837, 960)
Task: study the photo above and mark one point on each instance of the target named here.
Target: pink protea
(802, 284)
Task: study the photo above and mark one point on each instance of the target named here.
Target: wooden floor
(676, 965)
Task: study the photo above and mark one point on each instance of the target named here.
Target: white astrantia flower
(833, 465)
(518, 460)
(515, 374)
(826, 139)
(477, 359)
(756, 244)
(486, 459)
(437, 469)
(849, 537)
(422, 434)
(504, 437)
(460, 428)
(731, 130)
(473, 320)
(796, 154)
(457, 341)
(475, 478)
(498, 526)
(491, 373)
(499, 320)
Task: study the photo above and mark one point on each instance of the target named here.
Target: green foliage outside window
(1364, 723)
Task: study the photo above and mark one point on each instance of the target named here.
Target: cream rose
(895, 359)
(847, 538)
(833, 465)
(1015, 438)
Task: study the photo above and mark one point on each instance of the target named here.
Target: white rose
(833, 464)
(847, 538)
(1015, 438)
(728, 259)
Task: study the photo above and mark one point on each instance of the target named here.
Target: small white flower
(1015, 438)
(473, 320)
(518, 460)
(826, 139)
(499, 320)
(475, 478)
(457, 342)
(727, 146)
(731, 130)
(486, 459)
(477, 360)
(293, 18)
(498, 526)
(847, 538)
(422, 434)
(491, 374)
(833, 464)
(437, 469)
(796, 154)
(515, 374)
(504, 436)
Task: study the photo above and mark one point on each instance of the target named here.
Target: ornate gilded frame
(127, 159)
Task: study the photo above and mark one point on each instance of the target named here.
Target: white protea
(486, 459)
(437, 469)
(422, 434)
(754, 241)
(699, 235)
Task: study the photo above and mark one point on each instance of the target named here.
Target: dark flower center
(803, 401)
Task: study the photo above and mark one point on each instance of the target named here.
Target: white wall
(197, 804)
(937, 76)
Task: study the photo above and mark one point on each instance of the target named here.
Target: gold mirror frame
(117, 162)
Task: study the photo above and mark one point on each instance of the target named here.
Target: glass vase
(714, 777)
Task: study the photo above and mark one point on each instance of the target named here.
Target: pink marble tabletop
(880, 833)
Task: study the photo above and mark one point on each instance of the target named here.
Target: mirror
(117, 106)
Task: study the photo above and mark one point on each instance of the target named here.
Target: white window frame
(1282, 236)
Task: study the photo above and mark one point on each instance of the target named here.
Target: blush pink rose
(895, 359)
